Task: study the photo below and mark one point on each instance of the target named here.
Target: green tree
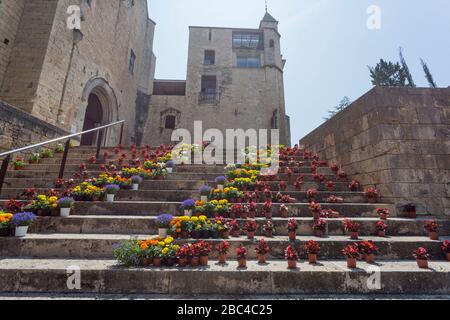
(406, 69)
(428, 74)
(344, 103)
(388, 74)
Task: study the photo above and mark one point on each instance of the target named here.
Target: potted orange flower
(352, 253)
(291, 257)
(222, 249)
(262, 250)
(241, 254)
(312, 249)
(421, 256)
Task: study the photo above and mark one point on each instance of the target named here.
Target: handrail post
(99, 143)
(3, 171)
(121, 133)
(64, 160)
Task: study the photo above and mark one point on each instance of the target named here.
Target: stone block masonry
(397, 139)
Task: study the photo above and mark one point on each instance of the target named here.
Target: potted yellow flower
(5, 223)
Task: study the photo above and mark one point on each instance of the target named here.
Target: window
(274, 120)
(209, 92)
(272, 43)
(247, 40)
(210, 57)
(170, 122)
(248, 61)
(132, 62)
(210, 35)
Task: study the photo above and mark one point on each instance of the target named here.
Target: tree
(406, 69)
(344, 103)
(428, 74)
(388, 74)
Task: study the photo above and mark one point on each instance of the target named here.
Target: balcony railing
(209, 98)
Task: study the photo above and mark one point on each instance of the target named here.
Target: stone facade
(396, 139)
(52, 70)
(231, 95)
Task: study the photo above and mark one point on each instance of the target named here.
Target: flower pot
(169, 170)
(292, 264)
(21, 231)
(284, 214)
(447, 255)
(195, 261)
(422, 263)
(184, 235)
(162, 232)
(319, 233)
(261, 258)
(312, 258)
(4, 232)
(242, 263)
(65, 212)
(135, 187)
(204, 199)
(251, 235)
(372, 200)
(434, 235)
(351, 263)
(109, 198)
(292, 235)
(269, 234)
(370, 258)
(354, 235)
(157, 262)
(145, 263)
(220, 186)
(222, 258)
(316, 215)
(225, 234)
(382, 234)
(42, 213)
(268, 215)
(204, 261)
(244, 215)
(252, 214)
(182, 262)
(188, 213)
(236, 234)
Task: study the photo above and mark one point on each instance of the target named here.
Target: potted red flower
(292, 257)
(421, 256)
(269, 229)
(432, 227)
(222, 249)
(352, 228)
(312, 249)
(320, 228)
(194, 258)
(342, 175)
(235, 229)
(292, 229)
(381, 229)
(446, 249)
(236, 211)
(284, 211)
(251, 226)
(334, 167)
(330, 186)
(315, 209)
(182, 256)
(369, 250)
(267, 208)
(298, 184)
(351, 252)
(204, 249)
(241, 254)
(311, 195)
(372, 195)
(262, 250)
(353, 186)
(283, 185)
(383, 213)
(252, 208)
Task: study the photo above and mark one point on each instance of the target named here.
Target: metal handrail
(100, 130)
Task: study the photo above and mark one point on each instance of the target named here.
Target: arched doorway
(92, 119)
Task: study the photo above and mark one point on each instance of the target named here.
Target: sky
(327, 44)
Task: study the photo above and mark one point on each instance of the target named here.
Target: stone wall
(396, 139)
(19, 129)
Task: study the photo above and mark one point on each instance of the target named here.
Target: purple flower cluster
(170, 164)
(163, 221)
(136, 179)
(23, 219)
(188, 204)
(205, 190)
(65, 202)
(112, 188)
(221, 180)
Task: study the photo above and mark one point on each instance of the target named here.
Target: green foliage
(388, 74)
(128, 253)
(428, 74)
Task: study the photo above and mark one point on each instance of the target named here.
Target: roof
(268, 18)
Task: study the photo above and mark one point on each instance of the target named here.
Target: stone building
(234, 80)
(75, 79)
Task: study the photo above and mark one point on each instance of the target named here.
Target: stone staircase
(39, 262)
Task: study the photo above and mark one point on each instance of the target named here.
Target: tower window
(247, 40)
(248, 61)
(170, 122)
(132, 62)
(272, 43)
(210, 57)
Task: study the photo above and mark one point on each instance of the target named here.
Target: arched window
(170, 122)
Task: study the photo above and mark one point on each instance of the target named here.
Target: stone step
(149, 208)
(146, 225)
(102, 246)
(328, 277)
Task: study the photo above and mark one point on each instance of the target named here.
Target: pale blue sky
(326, 43)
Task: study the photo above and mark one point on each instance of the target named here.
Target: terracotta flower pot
(145, 263)
(370, 258)
(284, 214)
(157, 262)
(236, 234)
(268, 215)
(351, 263)
(242, 263)
(204, 261)
(422, 263)
(222, 258)
(382, 234)
(448, 256)
(316, 215)
(319, 233)
(269, 234)
(434, 235)
(225, 234)
(372, 200)
(354, 235)
(261, 258)
(312, 258)
(182, 262)
(292, 235)
(251, 235)
(195, 261)
(292, 264)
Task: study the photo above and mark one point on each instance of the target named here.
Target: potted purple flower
(162, 222)
(22, 221)
(220, 181)
(111, 190)
(205, 191)
(169, 166)
(136, 181)
(65, 206)
(188, 207)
